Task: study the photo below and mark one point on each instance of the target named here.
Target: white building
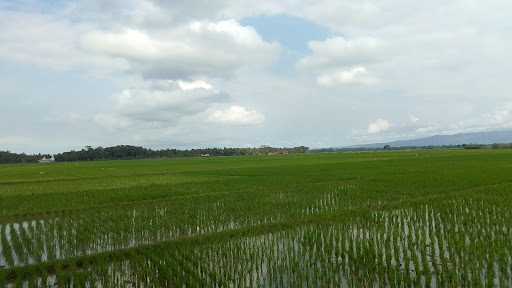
(47, 160)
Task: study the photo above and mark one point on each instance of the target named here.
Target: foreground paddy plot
(460, 242)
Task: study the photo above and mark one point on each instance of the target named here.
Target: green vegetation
(410, 218)
(9, 157)
(123, 152)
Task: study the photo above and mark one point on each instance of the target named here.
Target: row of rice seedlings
(69, 237)
(329, 202)
(59, 238)
(7, 254)
(3, 262)
(457, 244)
(416, 248)
(460, 242)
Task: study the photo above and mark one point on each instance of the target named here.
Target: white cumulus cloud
(378, 126)
(160, 103)
(354, 75)
(237, 115)
(193, 85)
(191, 50)
(340, 51)
(341, 61)
(413, 119)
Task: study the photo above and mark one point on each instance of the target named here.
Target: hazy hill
(490, 137)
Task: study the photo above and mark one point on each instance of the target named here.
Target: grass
(413, 218)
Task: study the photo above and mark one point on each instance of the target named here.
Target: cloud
(501, 117)
(193, 85)
(378, 126)
(236, 115)
(354, 75)
(196, 49)
(498, 118)
(412, 127)
(340, 61)
(178, 68)
(129, 43)
(50, 42)
(79, 39)
(382, 130)
(163, 104)
(413, 118)
(340, 51)
(160, 103)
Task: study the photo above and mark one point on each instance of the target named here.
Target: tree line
(121, 152)
(8, 157)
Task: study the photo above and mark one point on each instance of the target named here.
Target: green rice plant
(6, 247)
(3, 279)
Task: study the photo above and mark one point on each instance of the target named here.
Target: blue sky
(291, 32)
(234, 73)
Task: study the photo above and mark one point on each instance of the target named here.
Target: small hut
(47, 160)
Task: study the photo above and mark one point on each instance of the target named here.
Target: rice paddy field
(383, 219)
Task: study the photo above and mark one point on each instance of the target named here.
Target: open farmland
(419, 218)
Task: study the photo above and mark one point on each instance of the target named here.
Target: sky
(195, 73)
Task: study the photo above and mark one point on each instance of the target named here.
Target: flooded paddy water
(460, 242)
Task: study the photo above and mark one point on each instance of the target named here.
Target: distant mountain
(480, 138)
